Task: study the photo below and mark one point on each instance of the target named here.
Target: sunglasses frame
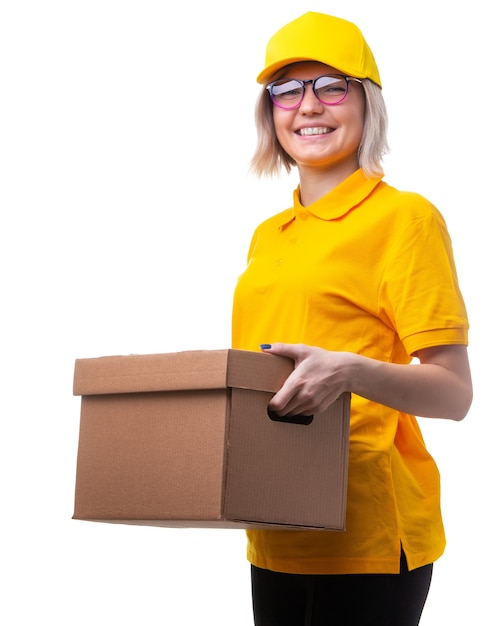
(312, 82)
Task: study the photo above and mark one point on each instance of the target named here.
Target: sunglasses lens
(289, 93)
(286, 93)
(330, 89)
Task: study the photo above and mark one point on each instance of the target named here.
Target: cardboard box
(185, 439)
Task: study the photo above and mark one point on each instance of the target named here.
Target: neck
(315, 182)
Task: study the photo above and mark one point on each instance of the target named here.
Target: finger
(293, 409)
(283, 349)
(289, 398)
(283, 400)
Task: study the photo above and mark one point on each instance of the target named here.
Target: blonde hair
(269, 156)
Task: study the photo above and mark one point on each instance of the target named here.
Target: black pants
(340, 599)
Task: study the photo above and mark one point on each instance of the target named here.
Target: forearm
(428, 389)
(439, 386)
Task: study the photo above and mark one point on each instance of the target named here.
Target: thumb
(283, 349)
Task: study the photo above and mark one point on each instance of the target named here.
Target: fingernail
(265, 346)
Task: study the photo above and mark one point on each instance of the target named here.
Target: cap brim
(268, 72)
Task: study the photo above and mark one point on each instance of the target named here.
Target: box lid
(192, 369)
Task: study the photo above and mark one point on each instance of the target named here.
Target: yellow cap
(323, 38)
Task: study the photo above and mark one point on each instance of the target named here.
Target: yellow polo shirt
(370, 270)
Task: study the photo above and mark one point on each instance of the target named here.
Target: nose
(310, 104)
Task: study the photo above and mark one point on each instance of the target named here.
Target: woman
(357, 284)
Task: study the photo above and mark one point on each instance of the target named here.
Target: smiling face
(318, 135)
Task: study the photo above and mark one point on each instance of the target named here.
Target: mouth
(316, 130)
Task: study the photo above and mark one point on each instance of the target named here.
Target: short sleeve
(420, 295)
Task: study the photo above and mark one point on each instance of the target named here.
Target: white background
(126, 212)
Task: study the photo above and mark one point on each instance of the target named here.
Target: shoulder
(277, 219)
(275, 222)
(404, 206)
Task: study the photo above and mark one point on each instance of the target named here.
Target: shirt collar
(337, 202)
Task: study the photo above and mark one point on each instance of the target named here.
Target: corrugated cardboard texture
(184, 439)
(287, 473)
(151, 456)
(195, 369)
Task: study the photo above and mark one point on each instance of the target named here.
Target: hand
(440, 386)
(318, 379)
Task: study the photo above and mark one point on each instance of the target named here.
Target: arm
(439, 386)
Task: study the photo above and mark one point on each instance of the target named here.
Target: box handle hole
(303, 420)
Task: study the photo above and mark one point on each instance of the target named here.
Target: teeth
(313, 131)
